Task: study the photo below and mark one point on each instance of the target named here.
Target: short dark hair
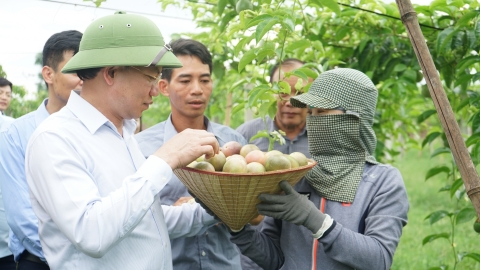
(192, 48)
(5, 82)
(285, 62)
(57, 45)
(88, 73)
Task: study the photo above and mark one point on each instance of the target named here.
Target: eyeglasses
(154, 80)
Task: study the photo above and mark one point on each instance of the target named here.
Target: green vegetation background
(425, 198)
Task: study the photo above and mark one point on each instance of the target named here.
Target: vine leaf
(433, 237)
(436, 216)
(465, 215)
(436, 170)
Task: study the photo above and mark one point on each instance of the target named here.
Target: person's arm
(66, 190)
(18, 208)
(387, 215)
(262, 247)
(187, 219)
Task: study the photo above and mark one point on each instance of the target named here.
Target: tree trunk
(444, 110)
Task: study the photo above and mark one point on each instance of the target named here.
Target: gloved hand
(291, 207)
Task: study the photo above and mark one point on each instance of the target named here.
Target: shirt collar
(92, 118)
(41, 113)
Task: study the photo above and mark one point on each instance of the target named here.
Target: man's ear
(163, 87)
(108, 74)
(48, 74)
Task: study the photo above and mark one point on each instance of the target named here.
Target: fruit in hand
(204, 166)
(217, 161)
(231, 148)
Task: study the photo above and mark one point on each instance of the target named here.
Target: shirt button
(203, 253)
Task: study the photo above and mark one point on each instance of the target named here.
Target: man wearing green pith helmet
(94, 193)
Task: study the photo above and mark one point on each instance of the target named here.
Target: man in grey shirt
(349, 210)
(289, 119)
(189, 89)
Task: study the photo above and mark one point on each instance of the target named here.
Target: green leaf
(436, 170)
(444, 39)
(310, 73)
(298, 45)
(425, 115)
(467, 62)
(226, 19)
(331, 4)
(475, 138)
(260, 134)
(289, 23)
(300, 74)
(430, 137)
(255, 93)
(465, 19)
(465, 215)
(455, 186)
(400, 67)
(342, 32)
(259, 19)
(476, 122)
(264, 52)
(441, 150)
(263, 28)
(474, 256)
(436, 216)
(238, 108)
(246, 59)
(221, 6)
(284, 87)
(241, 44)
(433, 237)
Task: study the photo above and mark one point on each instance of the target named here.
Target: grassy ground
(424, 198)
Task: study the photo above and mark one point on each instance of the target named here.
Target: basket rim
(311, 164)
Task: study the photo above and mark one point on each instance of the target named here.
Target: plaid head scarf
(342, 143)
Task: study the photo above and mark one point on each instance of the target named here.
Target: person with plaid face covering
(349, 211)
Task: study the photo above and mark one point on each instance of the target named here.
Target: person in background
(24, 240)
(349, 211)
(6, 89)
(287, 118)
(94, 193)
(188, 89)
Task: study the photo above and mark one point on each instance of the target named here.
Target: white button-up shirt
(94, 194)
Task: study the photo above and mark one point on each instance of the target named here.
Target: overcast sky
(25, 26)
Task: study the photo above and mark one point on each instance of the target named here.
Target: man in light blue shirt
(94, 193)
(24, 240)
(189, 89)
(6, 88)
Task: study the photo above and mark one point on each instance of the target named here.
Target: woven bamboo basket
(233, 197)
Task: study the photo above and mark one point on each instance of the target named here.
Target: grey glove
(291, 207)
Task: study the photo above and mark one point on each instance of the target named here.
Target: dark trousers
(7, 263)
(29, 261)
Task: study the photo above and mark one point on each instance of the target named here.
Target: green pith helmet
(122, 40)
